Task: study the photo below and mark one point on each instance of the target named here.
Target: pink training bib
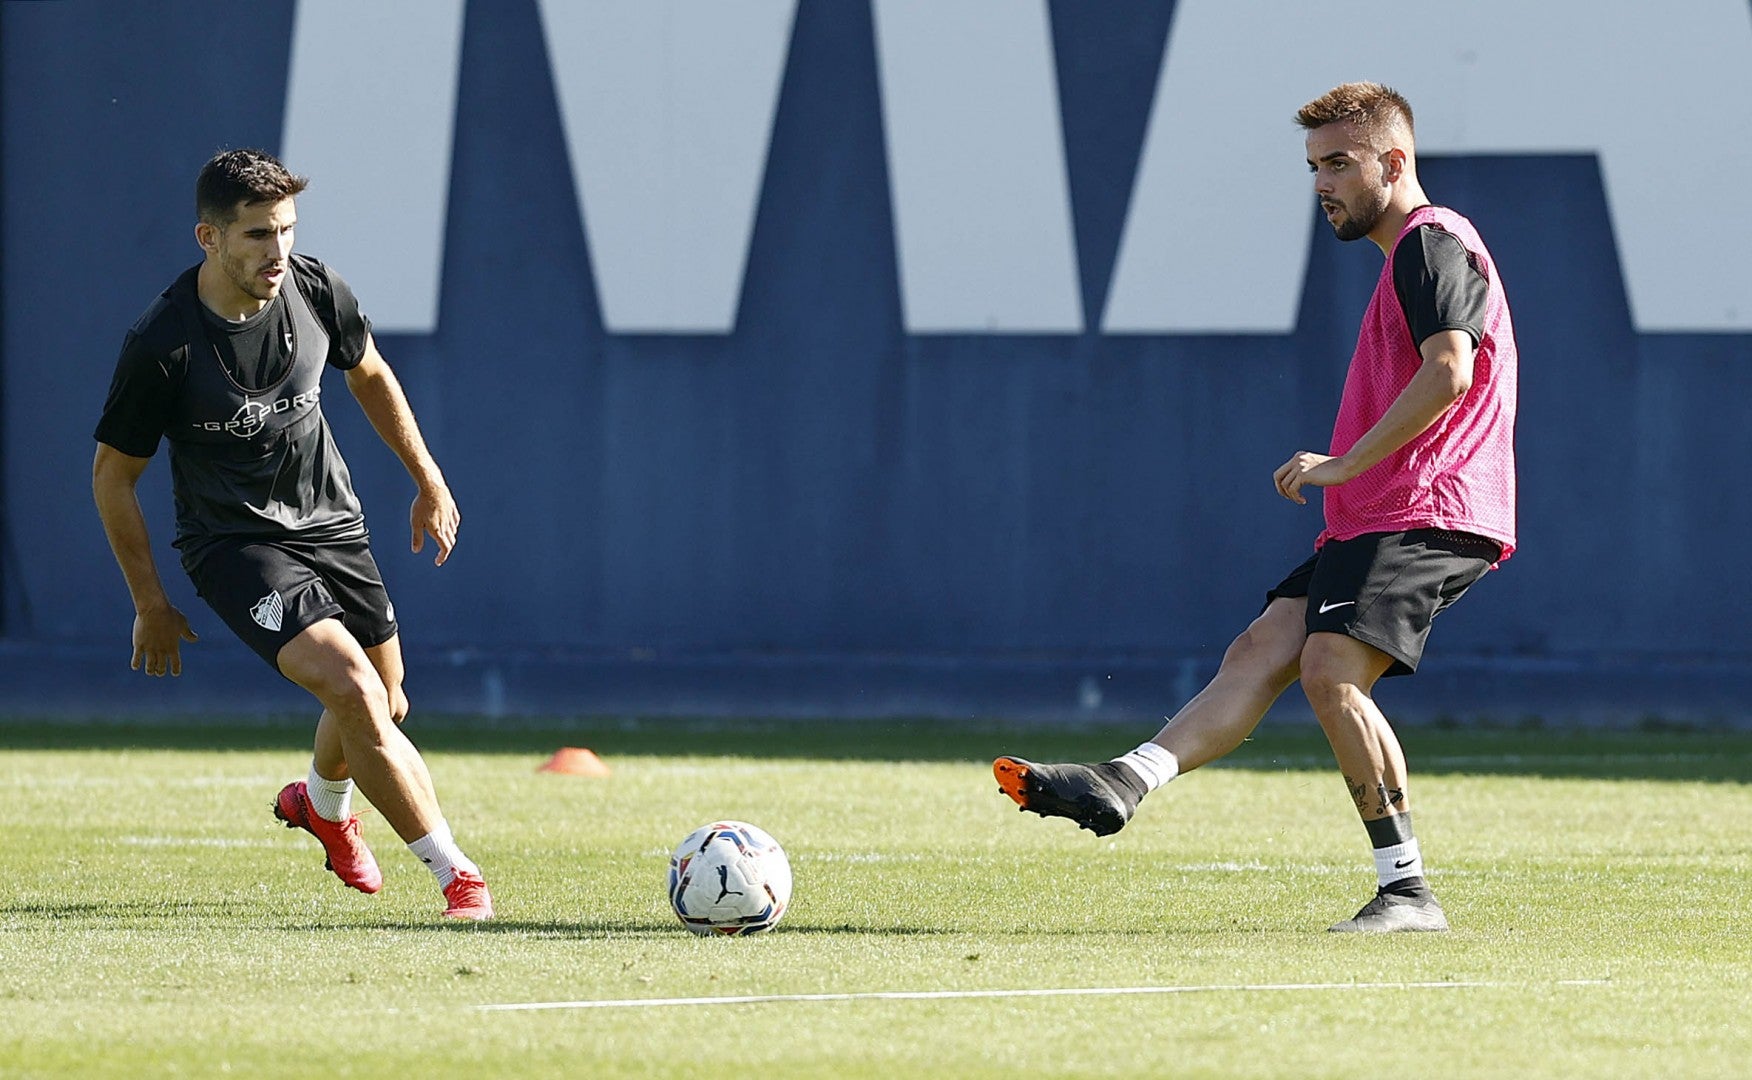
(1459, 474)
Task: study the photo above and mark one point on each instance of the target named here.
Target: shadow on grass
(1658, 753)
(552, 929)
(133, 914)
(568, 929)
(670, 931)
(127, 916)
(124, 909)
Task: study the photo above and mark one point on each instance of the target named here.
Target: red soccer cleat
(347, 854)
(468, 898)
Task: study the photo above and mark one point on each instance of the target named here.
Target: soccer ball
(729, 878)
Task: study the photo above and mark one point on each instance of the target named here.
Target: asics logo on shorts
(268, 611)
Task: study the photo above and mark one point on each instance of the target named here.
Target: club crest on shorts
(268, 611)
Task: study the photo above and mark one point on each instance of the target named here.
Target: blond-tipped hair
(1377, 112)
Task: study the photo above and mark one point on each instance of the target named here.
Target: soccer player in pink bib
(1419, 501)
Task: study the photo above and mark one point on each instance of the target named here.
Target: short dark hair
(1371, 107)
(241, 176)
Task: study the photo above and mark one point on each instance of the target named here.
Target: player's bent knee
(360, 696)
(1319, 675)
(324, 659)
(1261, 654)
(1335, 663)
(352, 692)
(1330, 683)
(1324, 692)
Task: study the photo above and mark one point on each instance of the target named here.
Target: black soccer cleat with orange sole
(1100, 798)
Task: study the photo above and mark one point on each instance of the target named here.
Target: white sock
(1154, 765)
(438, 850)
(331, 799)
(1398, 862)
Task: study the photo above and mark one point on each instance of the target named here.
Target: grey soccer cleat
(1391, 912)
(1099, 798)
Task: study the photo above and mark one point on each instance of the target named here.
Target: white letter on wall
(668, 107)
(1216, 239)
(370, 114)
(976, 166)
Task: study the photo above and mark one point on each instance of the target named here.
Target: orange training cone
(575, 761)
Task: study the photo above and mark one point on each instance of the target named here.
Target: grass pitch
(155, 920)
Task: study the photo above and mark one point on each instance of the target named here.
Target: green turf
(155, 921)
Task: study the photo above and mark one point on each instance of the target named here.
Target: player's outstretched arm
(434, 512)
(159, 628)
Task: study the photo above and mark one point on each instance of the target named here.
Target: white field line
(957, 995)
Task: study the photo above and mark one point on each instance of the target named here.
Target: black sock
(1390, 830)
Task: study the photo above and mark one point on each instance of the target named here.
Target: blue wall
(773, 511)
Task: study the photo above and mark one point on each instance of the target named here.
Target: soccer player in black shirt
(227, 364)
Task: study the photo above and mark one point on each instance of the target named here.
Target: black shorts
(1384, 588)
(269, 592)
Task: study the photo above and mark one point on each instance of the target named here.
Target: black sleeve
(1439, 285)
(334, 303)
(142, 399)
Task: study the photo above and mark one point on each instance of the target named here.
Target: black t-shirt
(256, 352)
(1438, 284)
(143, 392)
(251, 456)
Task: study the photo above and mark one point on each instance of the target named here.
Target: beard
(244, 276)
(1359, 221)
